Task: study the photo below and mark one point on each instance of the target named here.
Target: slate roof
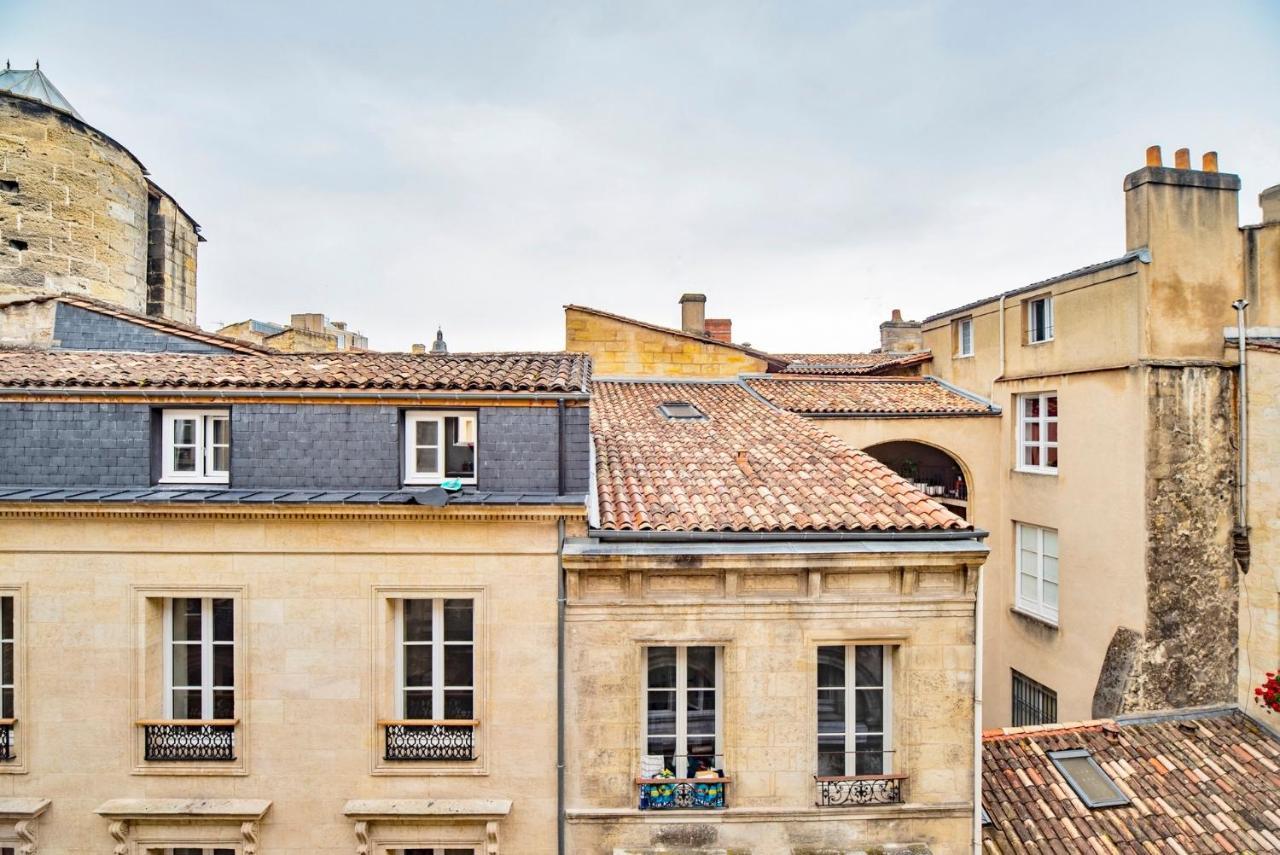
(850, 363)
(455, 372)
(869, 396)
(746, 467)
(1203, 781)
(163, 325)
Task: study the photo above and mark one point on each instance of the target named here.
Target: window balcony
(6, 738)
(189, 740)
(682, 793)
(854, 790)
(423, 739)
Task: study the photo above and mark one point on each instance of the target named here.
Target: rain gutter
(765, 536)
(267, 394)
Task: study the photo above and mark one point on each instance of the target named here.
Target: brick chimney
(898, 336)
(720, 329)
(693, 313)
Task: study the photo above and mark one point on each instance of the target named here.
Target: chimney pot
(1182, 158)
(693, 313)
(1154, 157)
(897, 316)
(1210, 161)
(417, 348)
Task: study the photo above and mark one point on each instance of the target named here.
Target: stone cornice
(380, 513)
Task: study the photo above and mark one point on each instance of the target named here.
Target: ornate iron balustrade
(843, 791)
(189, 741)
(430, 740)
(6, 739)
(682, 793)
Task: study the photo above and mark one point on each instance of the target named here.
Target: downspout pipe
(977, 717)
(560, 669)
(1240, 534)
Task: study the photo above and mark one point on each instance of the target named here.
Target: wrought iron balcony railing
(421, 739)
(189, 740)
(6, 738)
(682, 793)
(850, 790)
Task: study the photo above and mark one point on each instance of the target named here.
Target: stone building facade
(79, 215)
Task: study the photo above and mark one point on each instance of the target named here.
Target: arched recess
(933, 469)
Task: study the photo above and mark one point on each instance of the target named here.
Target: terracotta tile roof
(461, 372)
(773, 360)
(159, 324)
(1201, 782)
(869, 396)
(746, 466)
(850, 363)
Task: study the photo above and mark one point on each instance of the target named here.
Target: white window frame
(411, 419)
(207, 644)
(205, 473)
(850, 689)
(1043, 443)
(1047, 333)
(964, 337)
(8, 679)
(1033, 602)
(682, 702)
(437, 645)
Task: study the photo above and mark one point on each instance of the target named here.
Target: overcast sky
(807, 165)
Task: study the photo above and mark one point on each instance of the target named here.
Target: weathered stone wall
(171, 260)
(1188, 652)
(621, 349)
(73, 209)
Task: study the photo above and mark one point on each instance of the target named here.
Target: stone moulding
(19, 818)
(413, 821)
(139, 825)
(394, 513)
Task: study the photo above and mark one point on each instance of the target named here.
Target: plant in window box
(1268, 694)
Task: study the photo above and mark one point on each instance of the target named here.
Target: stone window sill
(1032, 616)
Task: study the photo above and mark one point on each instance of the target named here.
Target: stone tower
(78, 213)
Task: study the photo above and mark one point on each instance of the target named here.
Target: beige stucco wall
(770, 613)
(621, 349)
(308, 597)
(1260, 588)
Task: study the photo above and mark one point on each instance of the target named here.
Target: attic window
(680, 410)
(1094, 787)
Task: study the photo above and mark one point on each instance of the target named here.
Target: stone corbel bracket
(475, 819)
(168, 822)
(22, 816)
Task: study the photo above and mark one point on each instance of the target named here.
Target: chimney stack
(898, 336)
(1269, 199)
(693, 313)
(1160, 201)
(720, 329)
(417, 348)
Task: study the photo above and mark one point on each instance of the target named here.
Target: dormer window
(196, 447)
(680, 410)
(440, 446)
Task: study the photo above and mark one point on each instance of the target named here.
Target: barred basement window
(1033, 703)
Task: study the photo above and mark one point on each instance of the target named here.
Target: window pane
(186, 619)
(1089, 779)
(1052, 429)
(662, 667)
(221, 461)
(186, 703)
(457, 620)
(184, 432)
(1052, 405)
(224, 704)
(1030, 587)
(870, 710)
(1033, 455)
(1051, 457)
(665, 746)
(457, 665)
(870, 665)
(417, 665)
(662, 712)
(6, 617)
(702, 667)
(186, 665)
(459, 459)
(1050, 544)
(427, 459)
(1050, 569)
(1051, 594)
(701, 712)
(831, 755)
(417, 620)
(219, 430)
(458, 703)
(417, 705)
(702, 753)
(6, 664)
(831, 667)
(831, 710)
(1028, 561)
(223, 619)
(1031, 406)
(6, 703)
(224, 668)
(184, 459)
(427, 433)
(870, 755)
(1031, 431)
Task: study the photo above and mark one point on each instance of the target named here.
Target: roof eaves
(1142, 254)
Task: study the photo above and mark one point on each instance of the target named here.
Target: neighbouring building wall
(622, 349)
(313, 592)
(769, 614)
(73, 208)
(1260, 588)
(171, 259)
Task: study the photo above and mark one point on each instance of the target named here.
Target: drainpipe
(560, 447)
(977, 719)
(1240, 534)
(560, 601)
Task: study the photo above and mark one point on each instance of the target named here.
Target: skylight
(1094, 787)
(680, 410)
